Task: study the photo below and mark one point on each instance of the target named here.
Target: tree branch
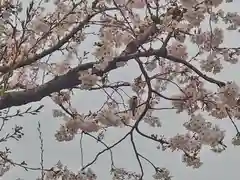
(204, 76)
(28, 61)
(70, 79)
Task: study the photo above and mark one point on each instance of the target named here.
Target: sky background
(216, 166)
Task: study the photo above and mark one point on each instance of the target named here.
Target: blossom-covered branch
(78, 45)
(70, 79)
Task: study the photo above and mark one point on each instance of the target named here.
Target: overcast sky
(216, 166)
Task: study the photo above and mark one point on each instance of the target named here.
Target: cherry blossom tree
(155, 34)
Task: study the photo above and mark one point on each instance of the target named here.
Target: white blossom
(236, 140)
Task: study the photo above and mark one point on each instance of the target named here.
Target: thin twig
(42, 150)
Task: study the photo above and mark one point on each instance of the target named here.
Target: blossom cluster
(61, 171)
(206, 132)
(107, 117)
(200, 133)
(121, 173)
(178, 50)
(196, 96)
(4, 165)
(162, 174)
(208, 40)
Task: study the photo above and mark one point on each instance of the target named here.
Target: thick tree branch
(70, 79)
(65, 81)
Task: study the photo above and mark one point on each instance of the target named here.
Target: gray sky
(216, 166)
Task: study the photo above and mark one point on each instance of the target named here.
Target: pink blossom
(89, 126)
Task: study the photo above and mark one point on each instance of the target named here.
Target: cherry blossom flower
(89, 126)
(88, 79)
(40, 26)
(177, 49)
